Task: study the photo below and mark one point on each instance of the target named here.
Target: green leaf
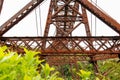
(26, 77)
(97, 78)
(3, 77)
(84, 74)
(54, 76)
(2, 49)
(7, 57)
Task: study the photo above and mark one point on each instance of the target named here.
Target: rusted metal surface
(19, 16)
(80, 45)
(1, 4)
(65, 16)
(73, 59)
(82, 50)
(101, 15)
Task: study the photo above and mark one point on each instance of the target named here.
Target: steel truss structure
(66, 16)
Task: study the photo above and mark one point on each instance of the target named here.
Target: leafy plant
(110, 69)
(84, 75)
(48, 74)
(17, 67)
(66, 71)
(25, 67)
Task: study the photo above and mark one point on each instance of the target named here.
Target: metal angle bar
(59, 37)
(1, 4)
(61, 30)
(19, 41)
(112, 45)
(39, 46)
(102, 44)
(101, 15)
(75, 10)
(64, 45)
(52, 46)
(19, 16)
(77, 44)
(90, 42)
(74, 28)
(105, 56)
(27, 44)
(61, 8)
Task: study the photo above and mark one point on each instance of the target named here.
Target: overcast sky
(27, 27)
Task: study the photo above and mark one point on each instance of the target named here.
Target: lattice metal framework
(65, 16)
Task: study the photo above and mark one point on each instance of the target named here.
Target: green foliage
(84, 75)
(66, 72)
(18, 67)
(110, 69)
(85, 65)
(46, 73)
(101, 77)
(24, 67)
(88, 67)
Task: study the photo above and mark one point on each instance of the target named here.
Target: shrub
(18, 67)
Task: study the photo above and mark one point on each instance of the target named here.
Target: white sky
(27, 27)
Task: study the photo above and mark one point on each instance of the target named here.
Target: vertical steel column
(65, 16)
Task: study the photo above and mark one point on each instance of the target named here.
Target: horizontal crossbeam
(81, 45)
